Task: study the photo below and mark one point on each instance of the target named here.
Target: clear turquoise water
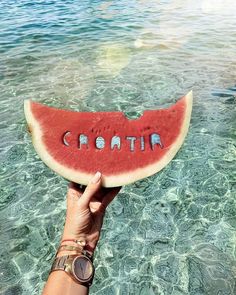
(171, 234)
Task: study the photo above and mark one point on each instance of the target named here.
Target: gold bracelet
(80, 241)
(78, 250)
(70, 248)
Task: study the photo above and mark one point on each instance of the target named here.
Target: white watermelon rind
(107, 181)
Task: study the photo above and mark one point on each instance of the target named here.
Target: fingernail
(96, 177)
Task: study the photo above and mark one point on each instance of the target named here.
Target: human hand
(86, 209)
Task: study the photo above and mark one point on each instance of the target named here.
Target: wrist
(65, 253)
(69, 246)
(67, 234)
(79, 267)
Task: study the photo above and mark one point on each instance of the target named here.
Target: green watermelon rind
(107, 180)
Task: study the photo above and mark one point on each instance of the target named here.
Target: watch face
(82, 268)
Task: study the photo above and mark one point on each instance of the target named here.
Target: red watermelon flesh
(77, 144)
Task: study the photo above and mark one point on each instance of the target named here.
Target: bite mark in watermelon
(77, 144)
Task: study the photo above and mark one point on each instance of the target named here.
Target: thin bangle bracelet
(79, 242)
(78, 249)
(70, 248)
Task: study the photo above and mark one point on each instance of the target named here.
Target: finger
(92, 188)
(101, 193)
(73, 190)
(109, 197)
(77, 187)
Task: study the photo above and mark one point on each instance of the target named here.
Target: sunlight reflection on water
(169, 234)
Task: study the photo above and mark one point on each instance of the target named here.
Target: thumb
(93, 186)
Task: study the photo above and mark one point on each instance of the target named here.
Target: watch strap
(59, 263)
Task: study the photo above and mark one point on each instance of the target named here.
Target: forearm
(85, 211)
(60, 283)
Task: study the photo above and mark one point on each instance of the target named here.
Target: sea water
(171, 234)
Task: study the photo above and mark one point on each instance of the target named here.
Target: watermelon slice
(77, 144)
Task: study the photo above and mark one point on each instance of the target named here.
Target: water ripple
(170, 234)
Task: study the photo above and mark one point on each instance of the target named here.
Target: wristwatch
(79, 267)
